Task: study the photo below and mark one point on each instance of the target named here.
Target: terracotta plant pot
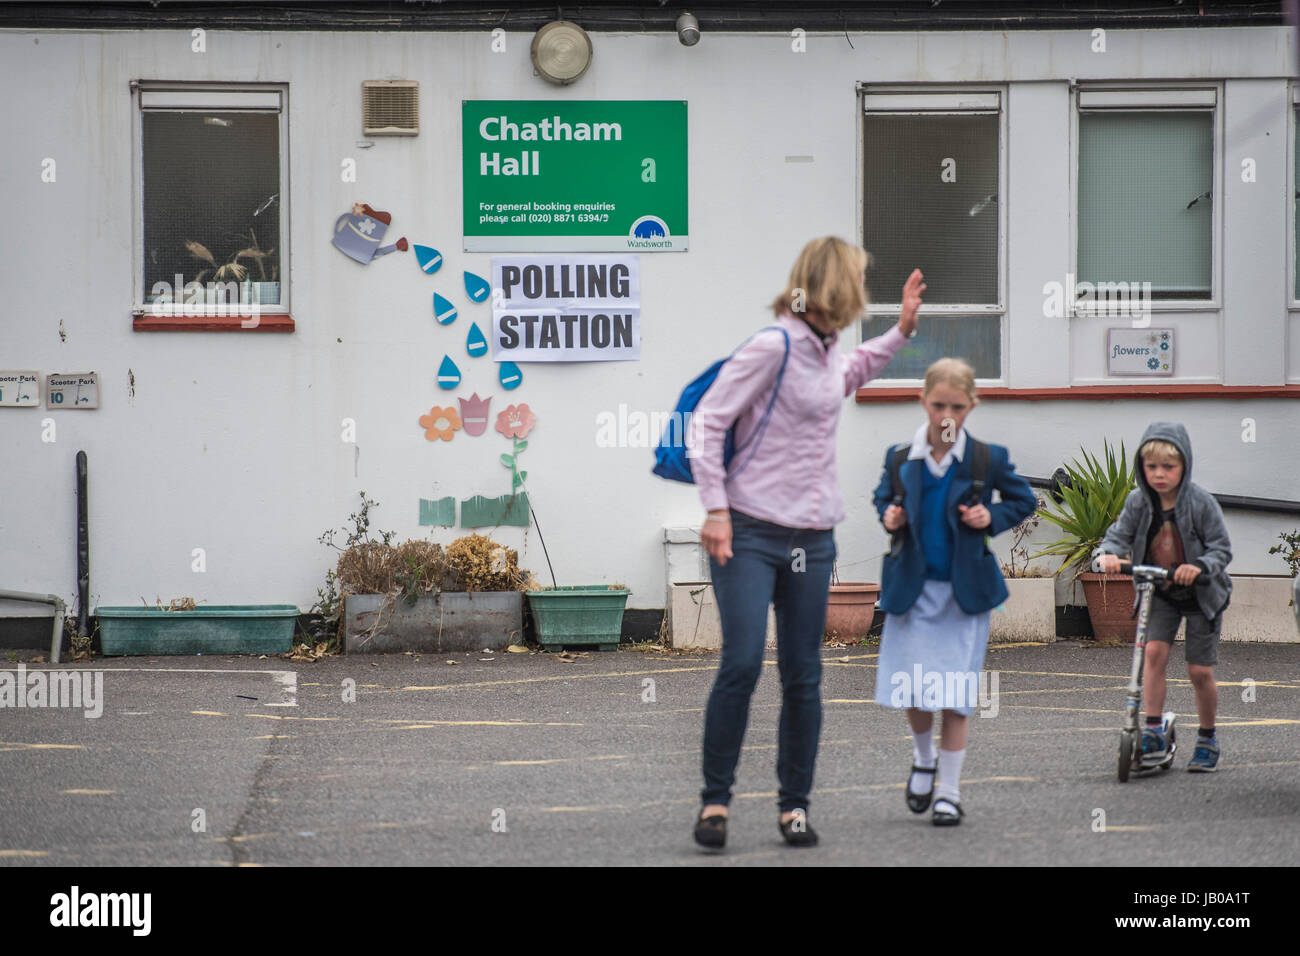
(1110, 606)
(849, 610)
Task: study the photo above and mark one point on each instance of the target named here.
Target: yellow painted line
(284, 717)
(271, 737)
(535, 763)
(24, 853)
(430, 724)
(20, 745)
(248, 864)
(1270, 722)
(542, 680)
(91, 793)
(208, 713)
(1062, 690)
(1124, 677)
(1074, 710)
(1000, 646)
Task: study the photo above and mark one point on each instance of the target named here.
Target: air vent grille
(390, 107)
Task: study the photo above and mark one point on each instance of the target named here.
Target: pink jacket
(791, 480)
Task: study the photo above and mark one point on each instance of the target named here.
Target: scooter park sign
(574, 176)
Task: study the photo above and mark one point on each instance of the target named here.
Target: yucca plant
(1091, 499)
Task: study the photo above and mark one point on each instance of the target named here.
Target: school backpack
(979, 466)
(671, 460)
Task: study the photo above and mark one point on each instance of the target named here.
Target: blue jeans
(791, 569)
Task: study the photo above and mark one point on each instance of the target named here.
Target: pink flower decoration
(516, 421)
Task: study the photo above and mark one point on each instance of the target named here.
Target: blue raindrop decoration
(475, 344)
(511, 377)
(443, 310)
(448, 373)
(430, 259)
(476, 287)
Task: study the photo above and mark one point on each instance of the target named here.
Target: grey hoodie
(1196, 513)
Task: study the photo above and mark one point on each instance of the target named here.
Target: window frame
(1121, 96)
(1293, 130)
(940, 99)
(212, 317)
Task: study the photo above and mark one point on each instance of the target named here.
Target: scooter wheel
(1127, 751)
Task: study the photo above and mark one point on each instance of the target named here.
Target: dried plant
(483, 565)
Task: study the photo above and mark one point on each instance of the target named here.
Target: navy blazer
(976, 578)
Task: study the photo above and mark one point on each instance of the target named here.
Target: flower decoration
(440, 423)
(1153, 363)
(516, 421)
(474, 414)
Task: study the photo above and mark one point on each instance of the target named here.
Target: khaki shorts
(1202, 641)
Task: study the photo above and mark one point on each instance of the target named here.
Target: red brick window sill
(265, 322)
(1091, 393)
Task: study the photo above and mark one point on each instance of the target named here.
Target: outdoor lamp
(688, 29)
(561, 52)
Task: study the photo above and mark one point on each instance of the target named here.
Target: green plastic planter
(584, 615)
(219, 629)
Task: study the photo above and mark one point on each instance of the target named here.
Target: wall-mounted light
(688, 29)
(561, 52)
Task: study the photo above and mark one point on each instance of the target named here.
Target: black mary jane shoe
(950, 817)
(804, 836)
(711, 831)
(920, 802)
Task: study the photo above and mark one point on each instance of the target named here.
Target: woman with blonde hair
(771, 511)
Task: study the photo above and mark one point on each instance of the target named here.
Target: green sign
(565, 176)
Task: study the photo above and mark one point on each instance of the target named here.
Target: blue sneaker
(1155, 745)
(1206, 757)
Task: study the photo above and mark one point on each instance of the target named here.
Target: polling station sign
(573, 308)
(580, 176)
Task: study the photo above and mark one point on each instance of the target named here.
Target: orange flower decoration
(516, 421)
(440, 423)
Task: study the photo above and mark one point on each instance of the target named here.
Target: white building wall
(231, 441)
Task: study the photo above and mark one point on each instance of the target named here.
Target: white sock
(922, 756)
(949, 774)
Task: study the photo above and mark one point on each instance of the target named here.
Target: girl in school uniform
(940, 580)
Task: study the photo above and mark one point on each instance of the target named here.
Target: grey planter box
(435, 623)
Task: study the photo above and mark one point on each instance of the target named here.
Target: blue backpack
(671, 460)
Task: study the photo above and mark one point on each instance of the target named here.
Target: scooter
(1145, 578)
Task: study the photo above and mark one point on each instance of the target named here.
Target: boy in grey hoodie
(1170, 522)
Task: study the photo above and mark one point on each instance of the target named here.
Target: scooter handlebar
(1150, 572)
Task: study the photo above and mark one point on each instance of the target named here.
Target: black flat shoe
(711, 831)
(920, 802)
(947, 813)
(804, 836)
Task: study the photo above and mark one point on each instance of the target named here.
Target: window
(212, 221)
(932, 181)
(1146, 187)
(1295, 191)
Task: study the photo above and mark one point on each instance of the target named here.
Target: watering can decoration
(357, 234)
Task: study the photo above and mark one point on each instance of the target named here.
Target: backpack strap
(895, 472)
(979, 465)
(757, 437)
(896, 459)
